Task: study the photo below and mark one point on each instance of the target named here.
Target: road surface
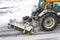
(16, 35)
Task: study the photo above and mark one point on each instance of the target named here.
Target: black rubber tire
(41, 21)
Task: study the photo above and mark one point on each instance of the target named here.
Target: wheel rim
(49, 22)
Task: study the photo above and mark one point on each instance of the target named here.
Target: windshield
(42, 3)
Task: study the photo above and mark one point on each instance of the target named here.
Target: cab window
(56, 6)
(42, 3)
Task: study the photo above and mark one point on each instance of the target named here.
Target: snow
(53, 36)
(16, 10)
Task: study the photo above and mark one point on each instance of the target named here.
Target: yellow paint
(52, 0)
(46, 4)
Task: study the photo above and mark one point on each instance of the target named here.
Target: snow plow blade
(21, 27)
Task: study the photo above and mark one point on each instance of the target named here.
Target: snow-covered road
(52, 36)
(12, 34)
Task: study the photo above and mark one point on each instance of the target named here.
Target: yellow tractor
(48, 13)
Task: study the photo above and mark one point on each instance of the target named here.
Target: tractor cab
(50, 4)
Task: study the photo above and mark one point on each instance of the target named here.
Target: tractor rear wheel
(48, 22)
